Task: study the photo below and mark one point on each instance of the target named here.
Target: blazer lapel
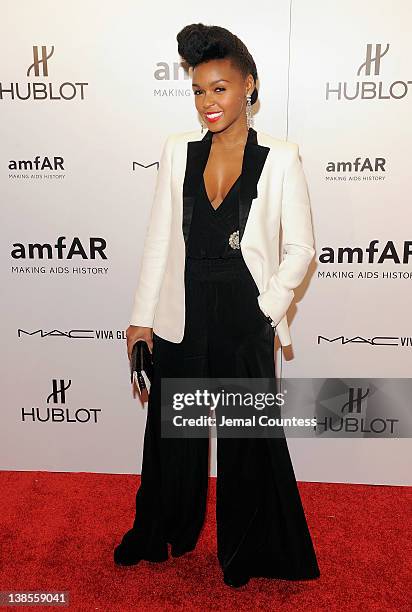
(253, 162)
(197, 155)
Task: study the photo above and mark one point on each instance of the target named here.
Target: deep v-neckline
(225, 198)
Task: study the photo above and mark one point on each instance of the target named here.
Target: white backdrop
(334, 77)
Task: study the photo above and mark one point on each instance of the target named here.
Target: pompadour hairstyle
(199, 43)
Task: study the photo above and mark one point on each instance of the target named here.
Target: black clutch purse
(141, 365)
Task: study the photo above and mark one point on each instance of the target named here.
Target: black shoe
(178, 552)
(130, 551)
(235, 579)
(125, 556)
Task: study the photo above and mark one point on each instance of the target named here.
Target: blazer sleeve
(156, 243)
(298, 242)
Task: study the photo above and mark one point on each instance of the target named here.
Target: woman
(210, 296)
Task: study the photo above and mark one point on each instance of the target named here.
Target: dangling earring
(203, 126)
(249, 117)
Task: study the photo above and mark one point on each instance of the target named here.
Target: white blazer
(273, 192)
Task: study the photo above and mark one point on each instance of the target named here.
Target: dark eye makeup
(196, 91)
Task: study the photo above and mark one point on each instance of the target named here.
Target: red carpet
(58, 531)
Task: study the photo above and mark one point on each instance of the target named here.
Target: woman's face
(220, 93)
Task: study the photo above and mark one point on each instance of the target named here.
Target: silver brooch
(234, 240)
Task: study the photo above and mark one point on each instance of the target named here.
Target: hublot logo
(40, 90)
(367, 89)
(40, 63)
(358, 420)
(55, 414)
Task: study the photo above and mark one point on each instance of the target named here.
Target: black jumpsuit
(261, 525)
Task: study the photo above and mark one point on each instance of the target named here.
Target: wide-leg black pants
(261, 525)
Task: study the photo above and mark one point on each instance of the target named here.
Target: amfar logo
(359, 164)
(356, 420)
(39, 169)
(173, 72)
(38, 163)
(386, 253)
(59, 415)
(38, 90)
(369, 90)
(96, 247)
(164, 72)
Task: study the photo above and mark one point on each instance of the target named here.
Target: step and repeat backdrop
(88, 93)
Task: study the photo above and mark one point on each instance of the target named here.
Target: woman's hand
(135, 333)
